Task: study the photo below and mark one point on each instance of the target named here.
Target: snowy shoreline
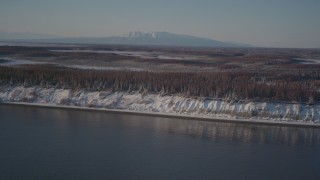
(176, 106)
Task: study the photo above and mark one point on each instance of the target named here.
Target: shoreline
(171, 115)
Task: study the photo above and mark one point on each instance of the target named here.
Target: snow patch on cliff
(164, 104)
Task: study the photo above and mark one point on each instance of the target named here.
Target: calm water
(39, 143)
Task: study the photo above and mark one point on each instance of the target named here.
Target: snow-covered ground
(101, 67)
(140, 54)
(173, 104)
(308, 61)
(9, 61)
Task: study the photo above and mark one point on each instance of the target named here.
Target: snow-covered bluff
(157, 103)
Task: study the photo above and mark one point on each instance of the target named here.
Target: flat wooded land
(233, 73)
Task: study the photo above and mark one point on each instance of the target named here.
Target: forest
(271, 85)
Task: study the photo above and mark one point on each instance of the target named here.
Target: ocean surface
(41, 143)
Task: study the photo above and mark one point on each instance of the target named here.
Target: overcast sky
(267, 23)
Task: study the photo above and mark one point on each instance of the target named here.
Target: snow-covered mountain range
(136, 38)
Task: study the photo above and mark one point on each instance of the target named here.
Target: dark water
(39, 143)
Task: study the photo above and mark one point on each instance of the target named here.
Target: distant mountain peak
(168, 39)
(139, 34)
(132, 38)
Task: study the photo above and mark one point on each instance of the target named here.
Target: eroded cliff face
(164, 104)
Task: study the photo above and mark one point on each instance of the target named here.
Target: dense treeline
(302, 86)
